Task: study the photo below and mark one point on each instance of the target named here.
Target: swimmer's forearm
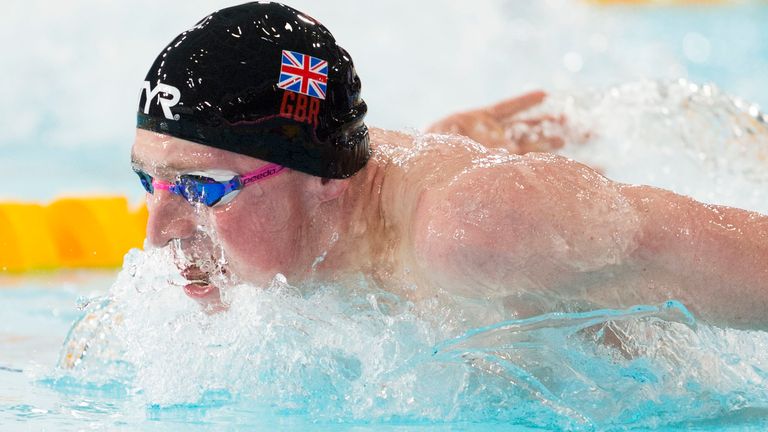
(713, 258)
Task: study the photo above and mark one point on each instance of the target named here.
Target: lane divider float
(662, 2)
(93, 232)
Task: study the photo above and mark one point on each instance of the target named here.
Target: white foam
(360, 354)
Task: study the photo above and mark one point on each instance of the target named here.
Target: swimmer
(253, 121)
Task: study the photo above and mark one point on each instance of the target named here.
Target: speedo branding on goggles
(207, 188)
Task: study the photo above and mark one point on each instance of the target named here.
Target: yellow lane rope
(90, 232)
(661, 2)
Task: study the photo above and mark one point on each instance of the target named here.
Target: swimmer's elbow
(666, 221)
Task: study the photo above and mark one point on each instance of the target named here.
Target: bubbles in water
(366, 355)
(696, 47)
(82, 302)
(573, 61)
(689, 138)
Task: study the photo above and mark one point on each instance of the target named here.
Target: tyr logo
(165, 103)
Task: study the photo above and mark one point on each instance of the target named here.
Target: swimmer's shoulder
(415, 164)
(427, 156)
(501, 214)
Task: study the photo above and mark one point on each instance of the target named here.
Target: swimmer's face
(258, 233)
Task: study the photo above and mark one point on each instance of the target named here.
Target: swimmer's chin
(207, 296)
(202, 290)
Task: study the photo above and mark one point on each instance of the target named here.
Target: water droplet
(82, 302)
(573, 61)
(696, 47)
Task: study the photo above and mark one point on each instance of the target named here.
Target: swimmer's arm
(551, 231)
(718, 255)
(500, 125)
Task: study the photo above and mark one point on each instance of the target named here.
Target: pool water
(295, 358)
(286, 357)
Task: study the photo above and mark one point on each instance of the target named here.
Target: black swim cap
(263, 80)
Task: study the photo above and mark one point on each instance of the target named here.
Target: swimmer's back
(480, 220)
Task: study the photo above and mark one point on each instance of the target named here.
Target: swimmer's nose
(170, 217)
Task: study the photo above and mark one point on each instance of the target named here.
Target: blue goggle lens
(201, 189)
(146, 181)
(194, 188)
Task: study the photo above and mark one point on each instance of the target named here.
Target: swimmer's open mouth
(199, 285)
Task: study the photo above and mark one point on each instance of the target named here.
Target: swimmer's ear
(326, 189)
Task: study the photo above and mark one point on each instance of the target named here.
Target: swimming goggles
(207, 188)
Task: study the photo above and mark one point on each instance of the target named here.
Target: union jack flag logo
(303, 74)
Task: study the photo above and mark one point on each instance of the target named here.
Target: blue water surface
(552, 372)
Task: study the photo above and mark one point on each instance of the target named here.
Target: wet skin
(442, 216)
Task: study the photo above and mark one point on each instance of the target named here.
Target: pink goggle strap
(161, 185)
(262, 173)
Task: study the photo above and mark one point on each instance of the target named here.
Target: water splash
(686, 137)
(368, 356)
